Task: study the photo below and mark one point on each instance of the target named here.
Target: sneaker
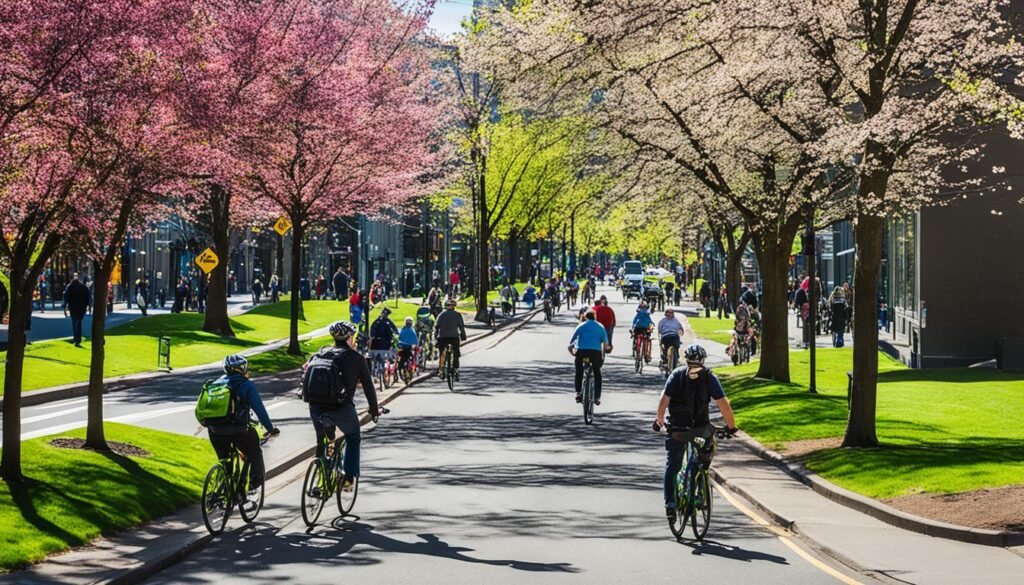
(579, 398)
(670, 514)
(597, 402)
(456, 375)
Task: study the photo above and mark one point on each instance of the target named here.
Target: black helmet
(695, 354)
(342, 330)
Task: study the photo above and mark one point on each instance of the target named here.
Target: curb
(133, 575)
(865, 505)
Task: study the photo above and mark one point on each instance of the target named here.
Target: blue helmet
(236, 364)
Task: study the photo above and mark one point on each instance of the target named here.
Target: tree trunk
(734, 265)
(860, 427)
(773, 259)
(298, 232)
(24, 273)
(94, 435)
(216, 320)
(10, 465)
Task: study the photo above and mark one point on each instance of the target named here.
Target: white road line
(41, 417)
(59, 404)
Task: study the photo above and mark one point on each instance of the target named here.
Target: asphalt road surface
(501, 482)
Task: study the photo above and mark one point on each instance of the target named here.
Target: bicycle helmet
(342, 330)
(236, 364)
(642, 305)
(695, 354)
(385, 312)
(408, 320)
(449, 303)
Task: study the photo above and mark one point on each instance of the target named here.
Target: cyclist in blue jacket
(407, 339)
(239, 432)
(589, 340)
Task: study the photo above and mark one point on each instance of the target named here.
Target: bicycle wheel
(315, 492)
(346, 498)
(449, 368)
(588, 396)
(678, 524)
(216, 499)
(250, 505)
(701, 504)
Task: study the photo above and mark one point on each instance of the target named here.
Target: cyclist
(382, 336)
(434, 297)
(606, 317)
(450, 330)
(352, 369)
(239, 433)
(687, 396)
(670, 331)
(407, 340)
(642, 324)
(589, 340)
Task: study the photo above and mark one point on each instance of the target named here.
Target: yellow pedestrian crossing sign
(208, 260)
(282, 225)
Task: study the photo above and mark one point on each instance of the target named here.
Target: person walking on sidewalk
(705, 298)
(687, 398)
(77, 301)
(340, 282)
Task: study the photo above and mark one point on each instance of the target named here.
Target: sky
(448, 14)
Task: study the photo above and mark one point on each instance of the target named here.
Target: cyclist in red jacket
(606, 317)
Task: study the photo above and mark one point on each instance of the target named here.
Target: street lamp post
(811, 251)
(572, 236)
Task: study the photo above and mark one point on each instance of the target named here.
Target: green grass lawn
(943, 431)
(715, 329)
(72, 496)
(132, 347)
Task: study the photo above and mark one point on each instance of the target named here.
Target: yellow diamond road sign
(282, 226)
(208, 260)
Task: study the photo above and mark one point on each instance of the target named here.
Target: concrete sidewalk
(867, 545)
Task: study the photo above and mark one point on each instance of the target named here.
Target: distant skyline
(448, 15)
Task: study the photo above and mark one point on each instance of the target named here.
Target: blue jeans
(345, 418)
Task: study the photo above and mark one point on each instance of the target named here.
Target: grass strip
(72, 496)
(942, 431)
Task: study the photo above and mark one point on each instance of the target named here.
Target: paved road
(501, 482)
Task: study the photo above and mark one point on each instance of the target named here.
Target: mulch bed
(994, 509)
(123, 449)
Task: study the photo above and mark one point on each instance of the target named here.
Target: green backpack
(216, 404)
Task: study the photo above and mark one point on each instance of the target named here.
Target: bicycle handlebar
(719, 432)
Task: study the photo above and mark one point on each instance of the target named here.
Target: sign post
(208, 260)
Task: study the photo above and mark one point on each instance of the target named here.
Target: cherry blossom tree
(354, 119)
(55, 58)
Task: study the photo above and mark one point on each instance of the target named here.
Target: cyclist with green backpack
(223, 409)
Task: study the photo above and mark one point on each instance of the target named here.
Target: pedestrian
(849, 306)
(837, 322)
(201, 293)
(507, 296)
(77, 302)
(705, 298)
(321, 287)
(110, 299)
(803, 307)
(141, 295)
(453, 283)
(340, 282)
(275, 289)
(670, 288)
(355, 309)
(723, 303)
(42, 293)
(231, 284)
(257, 291)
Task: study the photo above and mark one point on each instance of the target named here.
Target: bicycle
(381, 375)
(448, 372)
(670, 361)
(693, 494)
(412, 364)
(227, 485)
(741, 350)
(325, 477)
(641, 351)
(587, 391)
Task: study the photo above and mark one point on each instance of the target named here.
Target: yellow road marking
(784, 537)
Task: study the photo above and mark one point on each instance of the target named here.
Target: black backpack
(321, 382)
(692, 403)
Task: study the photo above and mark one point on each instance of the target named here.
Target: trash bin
(304, 291)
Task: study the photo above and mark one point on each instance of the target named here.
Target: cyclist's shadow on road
(350, 534)
(728, 551)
